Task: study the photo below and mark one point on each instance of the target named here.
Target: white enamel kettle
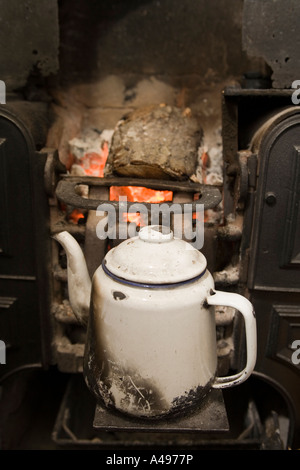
(151, 344)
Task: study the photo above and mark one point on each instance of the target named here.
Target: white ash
(215, 169)
(228, 276)
(224, 315)
(90, 140)
(212, 172)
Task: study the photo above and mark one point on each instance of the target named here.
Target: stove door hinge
(246, 177)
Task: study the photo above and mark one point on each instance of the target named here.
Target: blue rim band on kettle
(150, 286)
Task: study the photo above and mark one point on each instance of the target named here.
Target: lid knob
(156, 234)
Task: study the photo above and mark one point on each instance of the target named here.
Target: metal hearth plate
(211, 417)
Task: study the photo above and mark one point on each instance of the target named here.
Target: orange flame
(93, 163)
(75, 216)
(138, 194)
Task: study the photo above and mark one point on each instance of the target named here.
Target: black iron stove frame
(257, 185)
(239, 198)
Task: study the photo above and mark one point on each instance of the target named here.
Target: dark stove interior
(73, 71)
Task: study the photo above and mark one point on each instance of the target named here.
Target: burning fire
(138, 194)
(75, 216)
(93, 164)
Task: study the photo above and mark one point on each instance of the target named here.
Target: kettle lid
(156, 257)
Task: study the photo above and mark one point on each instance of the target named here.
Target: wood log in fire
(155, 142)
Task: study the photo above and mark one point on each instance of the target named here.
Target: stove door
(23, 285)
(274, 259)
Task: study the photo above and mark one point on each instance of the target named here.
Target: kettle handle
(243, 305)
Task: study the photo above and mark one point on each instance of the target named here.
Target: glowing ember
(138, 194)
(205, 163)
(75, 216)
(136, 218)
(93, 163)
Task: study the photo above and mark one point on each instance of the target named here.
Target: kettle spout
(79, 282)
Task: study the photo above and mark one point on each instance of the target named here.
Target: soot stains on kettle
(126, 391)
(190, 401)
(118, 295)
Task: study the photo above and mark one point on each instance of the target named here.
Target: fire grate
(209, 196)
